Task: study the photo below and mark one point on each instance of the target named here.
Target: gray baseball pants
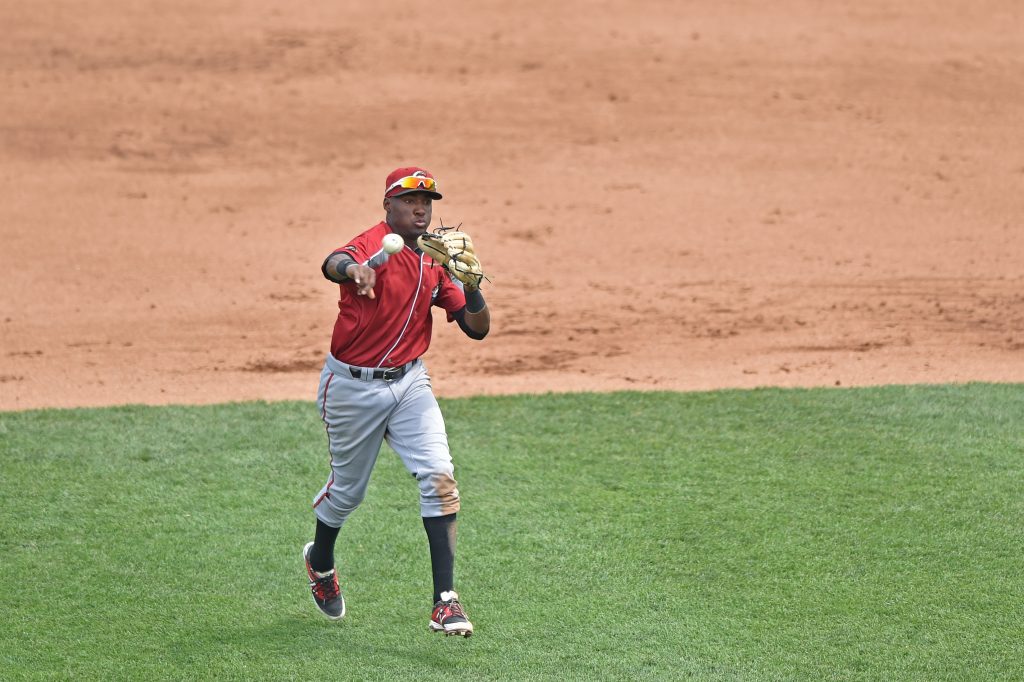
(361, 413)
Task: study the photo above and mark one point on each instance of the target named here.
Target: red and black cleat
(325, 589)
(449, 617)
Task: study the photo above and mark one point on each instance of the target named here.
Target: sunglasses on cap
(413, 182)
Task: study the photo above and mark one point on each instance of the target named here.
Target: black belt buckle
(390, 374)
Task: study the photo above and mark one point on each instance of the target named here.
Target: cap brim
(433, 194)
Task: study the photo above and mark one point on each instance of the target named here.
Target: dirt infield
(668, 195)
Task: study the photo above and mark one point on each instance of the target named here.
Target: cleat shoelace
(326, 588)
(452, 608)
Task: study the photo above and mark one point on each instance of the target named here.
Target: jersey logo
(433, 294)
(350, 248)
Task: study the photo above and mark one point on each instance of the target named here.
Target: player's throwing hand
(364, 277)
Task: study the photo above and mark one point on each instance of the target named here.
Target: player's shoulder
(369, 237)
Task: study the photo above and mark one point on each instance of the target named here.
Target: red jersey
(394, 328)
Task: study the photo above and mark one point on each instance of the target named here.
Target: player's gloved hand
(454, 250)
(364, 278)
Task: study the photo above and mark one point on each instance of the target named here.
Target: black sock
(441, 536)
(321, 554)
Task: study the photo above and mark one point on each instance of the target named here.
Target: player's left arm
(475, 317)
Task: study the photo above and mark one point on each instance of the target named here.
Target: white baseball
(393, 243)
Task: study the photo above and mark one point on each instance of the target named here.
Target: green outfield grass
(760, 535)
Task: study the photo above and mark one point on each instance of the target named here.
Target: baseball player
(374, 386)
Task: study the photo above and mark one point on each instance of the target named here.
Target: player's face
(409, 214)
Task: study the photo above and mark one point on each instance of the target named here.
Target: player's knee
(341, 505)
(439, 492)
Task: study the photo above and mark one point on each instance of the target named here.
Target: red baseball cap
(412, 179)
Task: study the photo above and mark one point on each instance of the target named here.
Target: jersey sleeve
(450, 296)
(358, 248)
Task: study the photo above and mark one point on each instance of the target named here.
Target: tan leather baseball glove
(453, 249)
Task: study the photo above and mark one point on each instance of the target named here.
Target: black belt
(385, 373)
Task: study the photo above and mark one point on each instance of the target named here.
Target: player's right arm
(340, 267)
